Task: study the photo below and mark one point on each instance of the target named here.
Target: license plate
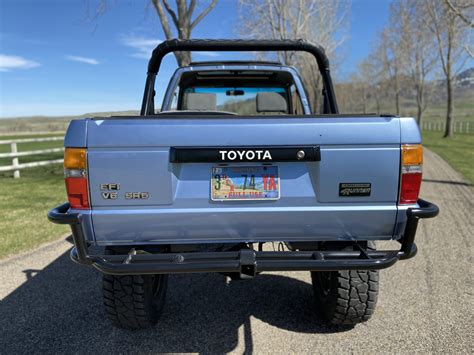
(245, 183)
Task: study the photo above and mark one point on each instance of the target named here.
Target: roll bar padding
(237, 45)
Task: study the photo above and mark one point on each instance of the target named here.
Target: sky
(57, 59)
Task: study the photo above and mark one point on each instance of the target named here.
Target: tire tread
(352, 298)
(125, 303)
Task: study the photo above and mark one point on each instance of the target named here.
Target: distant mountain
(50, 123)
(467, 73)
(466, 78)
(84, 115)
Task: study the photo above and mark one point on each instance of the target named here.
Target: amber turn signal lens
(412, 154)
(75, 158)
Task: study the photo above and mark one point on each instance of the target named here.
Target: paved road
(426, 304)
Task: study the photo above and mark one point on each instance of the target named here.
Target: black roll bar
(237, 45)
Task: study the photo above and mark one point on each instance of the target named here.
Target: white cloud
(12, 62)
(85, 60)
(143, 46)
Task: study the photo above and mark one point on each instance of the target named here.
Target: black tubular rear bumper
(246, 262)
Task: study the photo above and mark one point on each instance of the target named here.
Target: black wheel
(346, 297)
(134, 302)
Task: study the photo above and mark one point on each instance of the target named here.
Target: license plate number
(245, 183)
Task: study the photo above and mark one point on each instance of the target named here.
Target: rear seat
(271, 102)
(199, 102)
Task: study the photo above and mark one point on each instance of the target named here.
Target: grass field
(25, 202)
(457, 151)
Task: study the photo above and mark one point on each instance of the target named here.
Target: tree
(370, 72)
(458, 12)
(389, 49)
(416, 48)
(450, 33)
(182, 21)
(181, 17)
(383, 67)
(462, 13)
(319, 21)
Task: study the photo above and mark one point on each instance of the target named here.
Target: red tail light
(77, 192)
(410, 187)
(411, 174)
(75, 164)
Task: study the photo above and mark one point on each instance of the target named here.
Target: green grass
(457, 151)
(25, 202)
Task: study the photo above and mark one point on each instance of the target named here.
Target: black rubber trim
(426, 210)
(246, 262)
(235, 62)
(213, 154)
(199, 115)
(61, 215)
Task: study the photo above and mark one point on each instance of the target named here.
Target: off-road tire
(134, 302)
(345, 297)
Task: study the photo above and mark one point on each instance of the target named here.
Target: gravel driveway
(51, 305)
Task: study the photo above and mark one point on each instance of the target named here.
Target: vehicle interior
(238, 92)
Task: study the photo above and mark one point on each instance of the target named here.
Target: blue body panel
(76, 136)
(409, 131)
(134, 152)
(234, 130)
(242, 224)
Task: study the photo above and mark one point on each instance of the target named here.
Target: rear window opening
(240, 100)
(237, 92)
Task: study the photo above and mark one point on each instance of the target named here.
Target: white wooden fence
(458, 126)
(15, 154)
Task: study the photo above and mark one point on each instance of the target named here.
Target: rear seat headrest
(271, 102)
(199, 102)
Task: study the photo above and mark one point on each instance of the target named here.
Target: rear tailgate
(173, 202)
